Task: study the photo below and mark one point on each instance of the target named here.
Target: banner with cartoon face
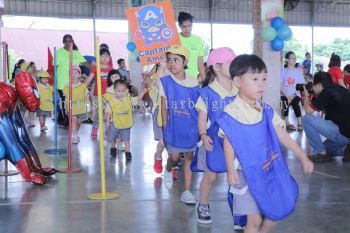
(154, 30)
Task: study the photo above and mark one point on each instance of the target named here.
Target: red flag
(50, 65)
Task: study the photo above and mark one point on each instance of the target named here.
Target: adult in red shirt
(105, 58)
(335, 71)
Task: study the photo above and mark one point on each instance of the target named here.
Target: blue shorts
(121, 134)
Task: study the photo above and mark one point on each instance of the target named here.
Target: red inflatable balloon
(27, 91)
(8, 98)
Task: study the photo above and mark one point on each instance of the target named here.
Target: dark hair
(184, 16)
(296, 64)
(15, 68)
(324, 78)
(104, 46)
(245, 63)
(120, 60)
(288, 54)
(120, 82)
(347, 68)
(31, 63)
(110, 73)
(209, 78)
(104, 51)
(334, 61)
(68, 36)
(307, 54)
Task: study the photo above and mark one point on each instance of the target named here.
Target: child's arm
(232, 175)
(288, 142)
(164, 112)
(90, 78)
(202, 126)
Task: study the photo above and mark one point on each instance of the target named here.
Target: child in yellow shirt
(79, 102)
(46, 100)
(122, 118)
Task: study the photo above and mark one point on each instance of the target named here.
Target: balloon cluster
(277, 33)
(131, 46)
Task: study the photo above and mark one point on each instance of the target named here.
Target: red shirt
(104, 74)
(347, 80)
(335, 73)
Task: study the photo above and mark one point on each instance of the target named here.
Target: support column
(271, 58)
(1, 26)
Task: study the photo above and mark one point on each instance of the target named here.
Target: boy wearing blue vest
(261, 186)
(179, 93)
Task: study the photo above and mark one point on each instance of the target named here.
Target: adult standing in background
(63, 71)
(194, 44)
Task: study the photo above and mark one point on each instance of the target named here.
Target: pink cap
(220, 55)
(77, 68)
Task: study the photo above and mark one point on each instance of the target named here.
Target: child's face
(120, 91)
(346, 73)
(175, 63)
(291, 60)
(223, 69)
(75, 76)
(114, 77)
(251, 85)
(44, 81)
(105, 58)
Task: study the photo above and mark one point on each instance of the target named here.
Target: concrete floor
(145, 205)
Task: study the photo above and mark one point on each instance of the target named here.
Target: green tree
(295, 46)
(339, 46)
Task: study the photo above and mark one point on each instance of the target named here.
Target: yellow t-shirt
(156, 100)
(78, 99)
(121, 110)
(108, 108)
(223, 93)
(46, 100)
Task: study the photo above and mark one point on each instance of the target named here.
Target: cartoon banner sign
(154, 31)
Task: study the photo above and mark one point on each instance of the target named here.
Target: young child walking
(179, 93)
(120, 103)
(105, 58)
(79, 102)
(252, 132)
(217, 91)
(46, 99)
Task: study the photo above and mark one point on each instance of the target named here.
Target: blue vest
(181, 130)
(215, 159)
(258, 151)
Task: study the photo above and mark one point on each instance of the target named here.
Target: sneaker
(158, 167)
(319, 158)
(75, 140)
(120, 147)
(188, 198)
(44, 128)
(94, 132)
(346, 157)
(203, 212)
(113, 151)
(128, 156)
(300, 128)
(290, 127)
(168, 179)
(31, 124)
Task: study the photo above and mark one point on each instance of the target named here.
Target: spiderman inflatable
(16, 144)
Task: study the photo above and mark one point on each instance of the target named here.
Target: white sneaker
(188, 198)
(120, 147)
(168, 179)
(75, 140)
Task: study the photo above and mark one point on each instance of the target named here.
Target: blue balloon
(277, 44)
(131, 46)
(284, 33)
(277, 23)
(2, 150)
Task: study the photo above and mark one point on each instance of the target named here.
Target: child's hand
(307, 165)
(208, 143)
(232, 177)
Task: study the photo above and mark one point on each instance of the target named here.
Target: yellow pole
(103, 195)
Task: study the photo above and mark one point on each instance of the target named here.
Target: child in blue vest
(217, 91)
(260, 182)
(179, 93)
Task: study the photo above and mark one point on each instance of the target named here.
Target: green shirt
(63, 66)
(196, 47)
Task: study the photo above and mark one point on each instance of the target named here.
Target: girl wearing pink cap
(79, 102)
(218, 91)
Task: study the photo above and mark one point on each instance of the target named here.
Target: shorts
(41, 113)
(202, 159)
(243, 203)
(157, 131)
(121, 134)
(176, 150)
